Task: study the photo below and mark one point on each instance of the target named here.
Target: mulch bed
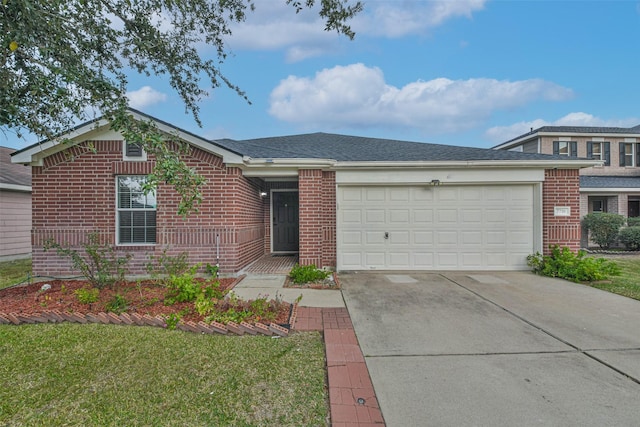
(329, 283)
(145, 297)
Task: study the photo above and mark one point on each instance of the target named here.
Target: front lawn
(105, 375)
(12, 272)
(628, 283)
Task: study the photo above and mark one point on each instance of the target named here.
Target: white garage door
(430, 228)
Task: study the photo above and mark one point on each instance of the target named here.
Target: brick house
(344, 202)
(15, 208)
(613, 185)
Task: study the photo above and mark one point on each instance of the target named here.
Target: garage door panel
(399, 216)
(351, 216)
(400, 238)
(375, 216)
(445, 227)
(447, 216)
(423, 237)
(352, 238)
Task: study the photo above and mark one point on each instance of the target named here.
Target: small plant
(563, 263)
(101, 266)
(172, 321)
(168, 265)
(212, 270)
(307, 274)
(117, 305)
(87, 295)
(603, 227)
(630, 238)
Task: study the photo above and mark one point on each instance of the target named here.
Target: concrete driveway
(496, 349)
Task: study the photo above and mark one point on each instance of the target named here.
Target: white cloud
(358, 96)
(396, 19)
(499, 134)
(144, 97)
(275, 25)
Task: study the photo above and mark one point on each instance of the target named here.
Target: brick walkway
(272, 264)
(351, 396)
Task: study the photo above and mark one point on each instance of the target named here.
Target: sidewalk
(352, 399)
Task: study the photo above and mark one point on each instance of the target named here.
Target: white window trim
(631, 164)
(142, 158)
(117, 211)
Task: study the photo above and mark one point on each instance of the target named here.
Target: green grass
(106, 375)
(12, 272)
(628, 282)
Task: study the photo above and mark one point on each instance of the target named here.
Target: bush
(167, 265)
(633, 221)
(307, 274)
(87, 295)
(630, 238)
(101, 266)
(567, 265)
(603, 227)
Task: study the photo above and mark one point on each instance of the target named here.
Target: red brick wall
(561, 187)
(74, 194)
(317, 218)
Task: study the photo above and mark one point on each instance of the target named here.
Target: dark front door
(285, 221)
(634, 208)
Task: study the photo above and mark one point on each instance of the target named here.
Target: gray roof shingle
(11, 173)
(364, 149)
(578, 130)
(610, 182)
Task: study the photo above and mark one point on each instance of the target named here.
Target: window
(629, 154)
(565, 148)
(598, 205)
(136, 211)
(133, 152)
(599, 151)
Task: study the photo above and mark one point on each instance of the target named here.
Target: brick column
(310, 209)
(561, 188)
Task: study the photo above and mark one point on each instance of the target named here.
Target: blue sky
(460, 72)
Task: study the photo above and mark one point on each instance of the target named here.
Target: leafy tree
(65, 61)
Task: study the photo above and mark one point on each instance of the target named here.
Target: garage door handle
(386, 234)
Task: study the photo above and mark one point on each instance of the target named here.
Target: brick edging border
(135, 319)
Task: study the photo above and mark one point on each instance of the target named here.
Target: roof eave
(546, 164)
(34, 154)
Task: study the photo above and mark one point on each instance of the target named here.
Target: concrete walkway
(496, 349)
(253, 286)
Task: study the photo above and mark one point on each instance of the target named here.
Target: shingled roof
(576, 130)
(610, 182)
(363, 149)
(10, 173)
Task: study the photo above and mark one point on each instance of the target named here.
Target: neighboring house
(612, 186)
(15, 208)
(344, 202)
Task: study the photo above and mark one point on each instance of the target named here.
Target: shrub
(101, 266)
(117, 305)
(87, 295)
(633, 221)
(567, 265)
(630, 238)
(167, 265)
(307, 274)
(185, 288)
(603, 227)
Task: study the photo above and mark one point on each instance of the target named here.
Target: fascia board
(610, 190)
(35, 154)
(15, 187)
(546, 164)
